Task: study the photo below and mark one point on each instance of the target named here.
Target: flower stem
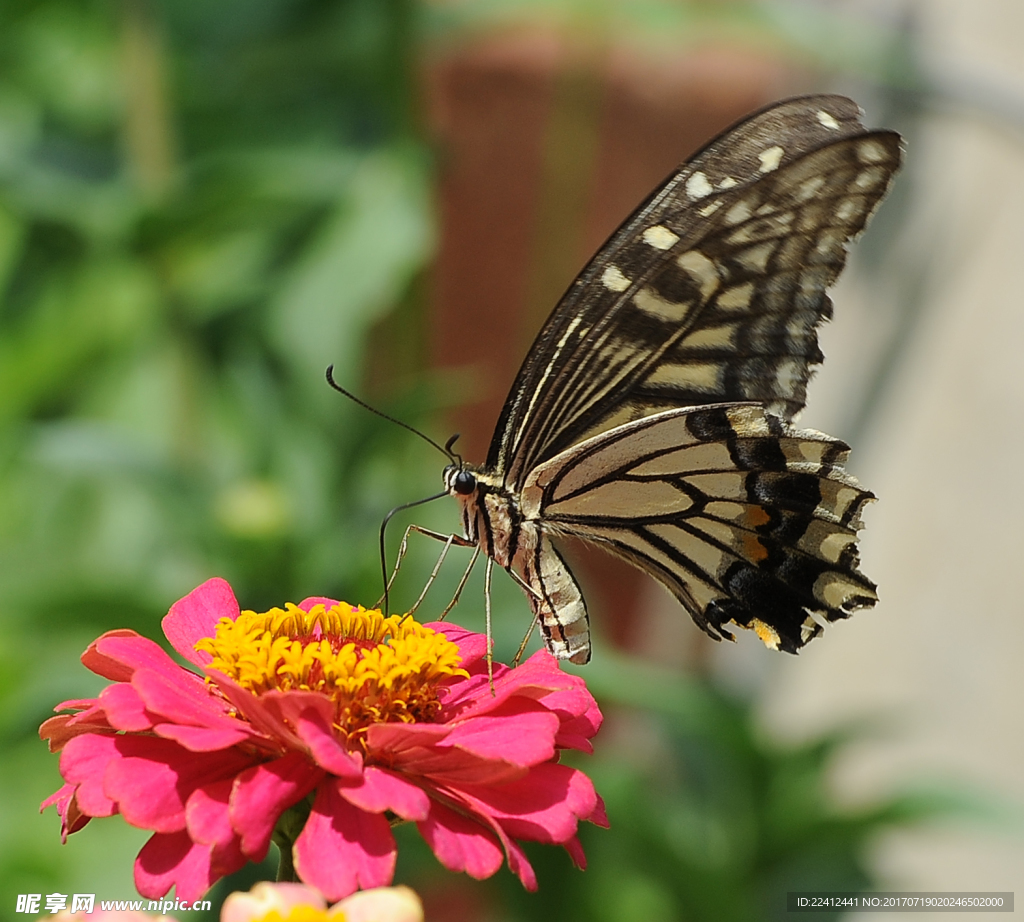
(287, 830)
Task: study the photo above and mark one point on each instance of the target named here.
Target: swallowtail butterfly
(653, 413)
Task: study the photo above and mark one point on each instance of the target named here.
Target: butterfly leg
(526, 640)
(487, 621)
(461, 586)
(433, 574)
(447, 540)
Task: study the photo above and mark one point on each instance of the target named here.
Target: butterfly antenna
(426, 438)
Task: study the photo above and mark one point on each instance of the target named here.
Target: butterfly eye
(464, 483)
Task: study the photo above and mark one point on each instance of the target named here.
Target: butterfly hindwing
(711, 291)
(743, 517)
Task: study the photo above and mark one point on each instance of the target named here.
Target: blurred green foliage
(201, 207)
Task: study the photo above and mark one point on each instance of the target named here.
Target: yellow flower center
(375, 669)
(301, 914)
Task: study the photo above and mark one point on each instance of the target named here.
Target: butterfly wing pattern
(652, 415)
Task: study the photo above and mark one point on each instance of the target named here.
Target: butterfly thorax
(493, 520)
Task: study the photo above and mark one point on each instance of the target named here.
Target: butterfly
(653, 413)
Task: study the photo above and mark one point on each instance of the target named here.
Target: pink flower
(333, 720)
(383, 904)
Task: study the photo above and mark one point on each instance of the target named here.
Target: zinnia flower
(268, 902)
(321, 724)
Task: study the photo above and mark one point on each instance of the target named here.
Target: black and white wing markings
(651, 413)
(743, 517)
(711, 290)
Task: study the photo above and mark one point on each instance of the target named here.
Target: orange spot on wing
(755, 516)
(753, 549)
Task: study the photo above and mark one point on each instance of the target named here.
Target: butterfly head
(458, 481)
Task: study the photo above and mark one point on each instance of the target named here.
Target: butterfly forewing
(706, 294)
(652, 414)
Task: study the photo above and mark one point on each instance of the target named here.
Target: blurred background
(203, 205)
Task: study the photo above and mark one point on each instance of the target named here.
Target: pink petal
(187, 702)
(398, 737)
(124, 708)
(261, 794)
(105, 666)
(308, 604)
(460, 843)
(71, 817)
(195, 617)
(311, 714)
(576, 732)
(202, 739)
(207, 823)
(206, 814)
(575, 850)
(83, 762)
(382, 790)
(153, 778)
(545, 807)
(342, 848)
(525, 738)
(173, 860)
(454, 767)
(517, 861)
(123, 651)
(534, 679)
(58, 730)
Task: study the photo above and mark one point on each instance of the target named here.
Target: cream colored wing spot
(748, 422)
(698, 186)
(702, 270)
(870, 178)
(707, 557)
(809, 629)
(624, 501)
(837, 591)
(727, 183)
(850, 208)
(740, 212)
(722, 337)
(811, 218)
(756, 258)
(710, 456)
(654, 305)
(836, 501)
(827, 120)
(770, 159)
(659, 237)
(705, 377)
(809, 188)
(788, 376)
(727, 485)
(613, 279)
(737, 298)
(830, 243)
(871, 152)
(821, 540)
(711, 208)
